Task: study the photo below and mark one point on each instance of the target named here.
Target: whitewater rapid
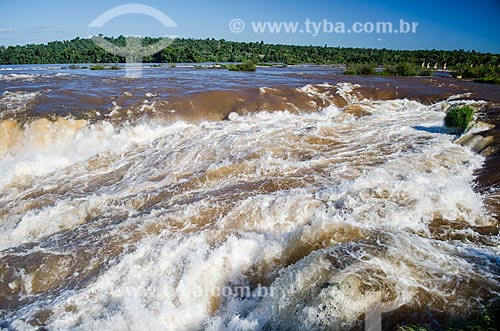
(322, 216)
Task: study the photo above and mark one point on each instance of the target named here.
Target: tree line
(81, 50)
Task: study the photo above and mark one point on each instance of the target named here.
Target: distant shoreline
(181, 50)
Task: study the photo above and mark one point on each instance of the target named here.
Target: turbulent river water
(287, 199)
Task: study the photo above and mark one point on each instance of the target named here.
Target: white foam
(345, 90)
(9, 77)
(115, 110)
(312, 91)
(153, 285)
(459, 96)
(29, 77)
(358, 224)
(16, 102)
(35, 224)
(60, 147)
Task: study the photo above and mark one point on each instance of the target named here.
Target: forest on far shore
(483, 67)
(81, 50)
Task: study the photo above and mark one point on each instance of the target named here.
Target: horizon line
(271, 44)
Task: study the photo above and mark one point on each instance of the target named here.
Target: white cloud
(6, 30)
(47, 28)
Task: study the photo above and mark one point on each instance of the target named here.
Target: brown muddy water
(287, 199)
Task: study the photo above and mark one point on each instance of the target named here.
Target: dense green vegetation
(459, 117)
(102, 67)
(210, 50)
(484, 67)
(473, 71)
(483, 73)
(407, 69)
(75, 67)
(488, 80)
(401, 69)
(247, 65)
(360, 69)
(487, 320)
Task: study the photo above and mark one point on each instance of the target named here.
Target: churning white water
(266, 221)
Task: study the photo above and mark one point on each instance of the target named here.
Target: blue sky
(441, 24)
